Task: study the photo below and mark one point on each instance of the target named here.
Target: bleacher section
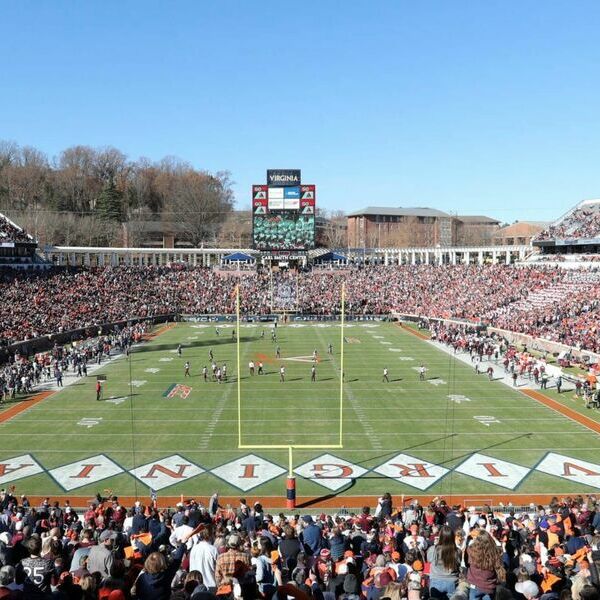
(17, 247)
(580, 226)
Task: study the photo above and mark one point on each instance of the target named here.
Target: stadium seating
(581, 223)
(550, 302)
(115, 551)
(9, 232)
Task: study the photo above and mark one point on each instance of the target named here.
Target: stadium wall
(543, 345)
(47, 342)
(533, 343)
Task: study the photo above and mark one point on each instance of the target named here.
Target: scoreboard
(283, 212)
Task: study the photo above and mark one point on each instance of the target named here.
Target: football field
(455, 433)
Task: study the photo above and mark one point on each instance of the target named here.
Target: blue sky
(469, 107)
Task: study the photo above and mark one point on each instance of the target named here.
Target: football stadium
(374, 377)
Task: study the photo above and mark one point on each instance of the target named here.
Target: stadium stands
(392, 550)
(583, 222)
(9, 232)
(547, 302)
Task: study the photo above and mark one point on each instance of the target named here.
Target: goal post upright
(343, 307)
(291, 479)
(239, 373)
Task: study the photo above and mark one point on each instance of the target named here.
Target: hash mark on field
(151, 370)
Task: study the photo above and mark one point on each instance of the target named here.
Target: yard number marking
(486, 420)
(89, 421)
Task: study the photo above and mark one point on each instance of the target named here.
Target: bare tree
(201, 203)
(236, 231)
(334, 232)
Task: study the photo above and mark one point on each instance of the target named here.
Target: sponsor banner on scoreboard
(276, 198)
(291, 198)
(307, 199)
(278, 177)
(259, 199)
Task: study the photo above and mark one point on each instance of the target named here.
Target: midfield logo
(177, 389)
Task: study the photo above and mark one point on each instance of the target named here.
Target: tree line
(98, 196)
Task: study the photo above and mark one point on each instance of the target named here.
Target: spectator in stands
(484, 567)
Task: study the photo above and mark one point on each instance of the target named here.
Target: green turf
(379, 419)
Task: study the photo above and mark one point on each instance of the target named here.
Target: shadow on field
(454, 458)
(467, 454)
(317, 501)
(213, 343)
(394, 452)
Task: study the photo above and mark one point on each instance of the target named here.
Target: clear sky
(473, 107)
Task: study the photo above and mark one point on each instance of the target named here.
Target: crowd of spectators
(110, 551)
(21, 374)
(582, 223)
(57, 300)
(11, 233)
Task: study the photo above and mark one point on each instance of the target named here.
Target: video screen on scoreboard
(283, 230)
(283, 218)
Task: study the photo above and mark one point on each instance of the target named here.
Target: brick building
(519, 233)
(382, 227)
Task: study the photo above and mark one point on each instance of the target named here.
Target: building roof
(399, 212)
(238, 257)
(520, 229)
(478, 219)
